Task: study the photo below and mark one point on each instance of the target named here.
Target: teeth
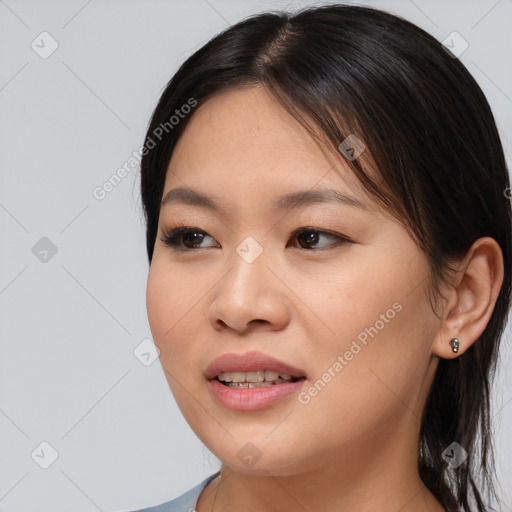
(225, 376)
(270, 375)
(245, 385)
(258, 376)
(238, 376)
(252, 377)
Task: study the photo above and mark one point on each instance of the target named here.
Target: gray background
(72, 320)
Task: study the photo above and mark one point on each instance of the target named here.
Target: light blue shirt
(184, 503)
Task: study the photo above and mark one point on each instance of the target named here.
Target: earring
(454, 343)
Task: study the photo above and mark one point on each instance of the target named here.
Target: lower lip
(252, 399)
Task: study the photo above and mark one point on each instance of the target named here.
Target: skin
(353, 446)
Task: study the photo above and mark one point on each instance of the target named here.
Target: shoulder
(184, 503)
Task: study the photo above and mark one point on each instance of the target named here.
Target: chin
(259, 458)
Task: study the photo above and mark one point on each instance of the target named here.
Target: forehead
(243, 139)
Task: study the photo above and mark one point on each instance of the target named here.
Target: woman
(329, 237)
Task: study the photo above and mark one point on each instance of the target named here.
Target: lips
(249, 396)
(250, 362)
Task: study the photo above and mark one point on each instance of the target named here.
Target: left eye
(189, 238)
(310, 236)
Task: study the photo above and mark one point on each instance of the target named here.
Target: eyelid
(322, 231)
(173, 232)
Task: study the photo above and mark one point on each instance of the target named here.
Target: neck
(364, 477)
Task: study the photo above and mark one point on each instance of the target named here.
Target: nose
(250, 296)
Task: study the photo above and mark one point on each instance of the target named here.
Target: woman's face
(342, 301)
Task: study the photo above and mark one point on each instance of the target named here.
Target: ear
(470, 300)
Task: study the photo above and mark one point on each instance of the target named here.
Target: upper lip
(249, 362)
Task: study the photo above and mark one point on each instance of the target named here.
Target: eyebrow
(285, 202)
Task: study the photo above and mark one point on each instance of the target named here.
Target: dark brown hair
(433, 159)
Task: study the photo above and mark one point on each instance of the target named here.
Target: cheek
(164, 313)
(364, 293)
(176, 314)
(362, 392)
(168, 300)
(381, 326)
(157, 296)
(171, 293)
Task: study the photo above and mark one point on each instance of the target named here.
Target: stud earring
(454, 343)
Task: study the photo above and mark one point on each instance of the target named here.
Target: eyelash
(172, 237)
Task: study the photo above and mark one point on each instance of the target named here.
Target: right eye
(185, 238)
